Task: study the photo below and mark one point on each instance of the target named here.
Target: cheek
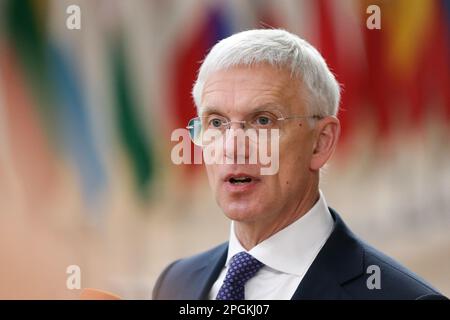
(293, 166)
(298, 153)
(211, 173)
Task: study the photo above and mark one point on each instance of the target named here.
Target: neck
(250, 234)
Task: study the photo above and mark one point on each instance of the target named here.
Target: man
(285, 243)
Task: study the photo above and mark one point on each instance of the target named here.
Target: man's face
(236, 93)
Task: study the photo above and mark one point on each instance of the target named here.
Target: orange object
(95, 294)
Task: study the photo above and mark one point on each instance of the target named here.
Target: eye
(263, 121)
(215, 122)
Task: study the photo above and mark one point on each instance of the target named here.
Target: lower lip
(241, 187)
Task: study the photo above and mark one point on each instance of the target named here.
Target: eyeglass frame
(244, 122)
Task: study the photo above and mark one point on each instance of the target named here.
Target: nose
(236, 146)
(238, 124)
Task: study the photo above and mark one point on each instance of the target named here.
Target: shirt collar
(292, 249)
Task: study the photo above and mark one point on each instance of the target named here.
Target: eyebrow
(259, 108)
(209, 110)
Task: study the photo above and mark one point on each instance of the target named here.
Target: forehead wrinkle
(265, 83)
(270, 107)
(222, 92)
(270, 96)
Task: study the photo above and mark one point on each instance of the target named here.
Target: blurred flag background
(86, 118)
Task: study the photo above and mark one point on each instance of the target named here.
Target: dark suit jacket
(338, 272)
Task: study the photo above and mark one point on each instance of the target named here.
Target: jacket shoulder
(179, 274)
(393, 281)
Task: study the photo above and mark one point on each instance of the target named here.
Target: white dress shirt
(287, 255)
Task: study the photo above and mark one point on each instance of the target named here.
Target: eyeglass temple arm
(296, 117)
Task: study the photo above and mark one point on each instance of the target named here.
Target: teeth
(240, 180)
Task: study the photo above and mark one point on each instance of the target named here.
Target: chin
(241, 213)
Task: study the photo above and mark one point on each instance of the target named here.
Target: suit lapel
(207, 274)
(340, 260)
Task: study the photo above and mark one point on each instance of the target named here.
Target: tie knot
(243, 266)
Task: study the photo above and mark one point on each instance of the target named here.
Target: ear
(326, 138)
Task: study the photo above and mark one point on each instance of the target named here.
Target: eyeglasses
(216, 125)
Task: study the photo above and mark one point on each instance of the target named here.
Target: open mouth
(240, 180)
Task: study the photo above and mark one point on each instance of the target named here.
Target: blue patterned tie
(242, 267)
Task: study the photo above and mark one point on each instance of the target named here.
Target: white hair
(281, 49)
